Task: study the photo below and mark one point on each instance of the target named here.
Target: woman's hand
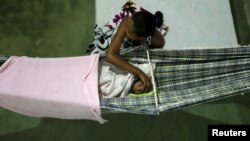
(146, 81)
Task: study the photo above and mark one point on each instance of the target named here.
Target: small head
(142, 24)
(138, 87)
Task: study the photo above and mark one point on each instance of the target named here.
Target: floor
(54, 28)
(241, 16)
(189, 25)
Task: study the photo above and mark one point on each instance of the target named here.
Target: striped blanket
(187, 77)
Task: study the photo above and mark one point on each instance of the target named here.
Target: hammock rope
(145, 46)
(153, 79)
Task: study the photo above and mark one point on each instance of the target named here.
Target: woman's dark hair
(145, 22)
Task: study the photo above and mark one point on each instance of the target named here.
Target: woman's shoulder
(122, 29)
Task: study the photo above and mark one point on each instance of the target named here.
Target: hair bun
(158, 19)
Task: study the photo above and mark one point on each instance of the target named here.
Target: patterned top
(105, 34)
(102, 40)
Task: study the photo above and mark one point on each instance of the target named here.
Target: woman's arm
(113, 57)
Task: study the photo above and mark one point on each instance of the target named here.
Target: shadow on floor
(172, 125)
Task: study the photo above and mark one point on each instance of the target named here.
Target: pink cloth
(64, 88)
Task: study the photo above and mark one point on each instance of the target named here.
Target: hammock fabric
(187, 77)
(65, 88)
(3, 58)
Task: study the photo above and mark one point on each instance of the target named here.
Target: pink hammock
(51, 87)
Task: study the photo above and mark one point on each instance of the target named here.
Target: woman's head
(144, 23)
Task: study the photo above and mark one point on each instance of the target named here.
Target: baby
(114, 82)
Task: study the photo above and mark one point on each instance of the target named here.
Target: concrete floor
(241, 14)
(247, 10)
(46, 28)
(53, 28)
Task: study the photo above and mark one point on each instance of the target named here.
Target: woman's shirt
(102, 40)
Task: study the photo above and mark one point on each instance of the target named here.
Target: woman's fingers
(146, 82)
(149, 85)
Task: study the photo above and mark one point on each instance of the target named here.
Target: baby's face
(138, 87)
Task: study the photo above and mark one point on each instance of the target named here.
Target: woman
(132, 31)
(140, 26)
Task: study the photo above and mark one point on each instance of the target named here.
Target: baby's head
(138, 87)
